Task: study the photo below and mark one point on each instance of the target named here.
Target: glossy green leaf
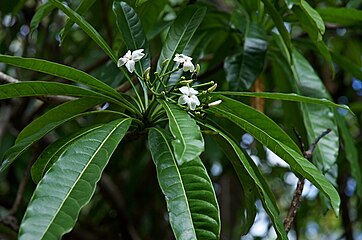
(132, 32)
(188, 142)
(180, 33)
(39, 88)
(251, 178)
(191, 200)
(70, 183)
(243, 68)
(351, 152)
(316, 118)
(288, 97)
(52, 152)
(272, 136)
(343, 16)
(59, 70)
(279, 23)
(87, 28)
(41, 12)
(81, 9)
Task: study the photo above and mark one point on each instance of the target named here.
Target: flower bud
(164, 63)
(212, 88)
(146, 74)
(186, 82)
(215, 103)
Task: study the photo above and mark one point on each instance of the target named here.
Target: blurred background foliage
(128, 203)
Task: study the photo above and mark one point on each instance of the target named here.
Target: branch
(300, 185)
(48, 99)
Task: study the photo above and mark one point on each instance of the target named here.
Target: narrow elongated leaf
(132, 32)
(272, 136)
(316, 118)
(60, 70)
(243, 68)
(288, 97)
(56, 117)
(87, 28)
(41, 12)
(180, 34)
(70, 183)
(188, 143)
(81, 9)
(52, 152)
(343, 16)
(351, 152)
(190, 197)
(251, 178)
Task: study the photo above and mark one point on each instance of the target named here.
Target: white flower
(185, 62)
(130, 58)
(189, 97)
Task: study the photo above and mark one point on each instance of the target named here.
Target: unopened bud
(185, 82)
(146, 74)
(197, 69)
(164, 63)
(212, 88)
(215, 103)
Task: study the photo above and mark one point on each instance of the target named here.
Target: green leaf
(272, 136)
(316, 118)
(41, 12)
(342, 16)
(188, 143)
(279, 23)
(81, 9)
(39, 88)
(191, 200)
(59, 70)
(351, 152)
(180, 33)
(52, 152)
(347, 65)
(131, 28)
(70, 183)
(288, 97)
(243, 68)
(251, 179)
(87, 28)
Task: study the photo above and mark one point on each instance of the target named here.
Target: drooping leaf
(251, 179)
(190, 197)
(41, 12)
(188, 142)
(87, 28)
(288, 97)
(52, 152)
(70, 183)
(316, 118)
(180, 33)
(272, 136)
(343, 16)
(351, 152)
(132, 32)
(59, 70)
(81, 9)
(243, 68)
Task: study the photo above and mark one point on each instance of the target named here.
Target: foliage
(110, 96)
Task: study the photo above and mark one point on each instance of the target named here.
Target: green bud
(185, 82)
(212, 88)
(146, 74)
(164, 63)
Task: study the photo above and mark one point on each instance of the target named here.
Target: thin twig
(4, 78)
(300, 185)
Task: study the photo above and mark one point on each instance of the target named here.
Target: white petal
(137, 55)
(191, 105)
(195, 100)
(193, 91)
(188, 66)
(130, 65)
(121, 61)
(185, 90)
(178, 58)
(215, 103)
(183, 99)
(128, 55)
